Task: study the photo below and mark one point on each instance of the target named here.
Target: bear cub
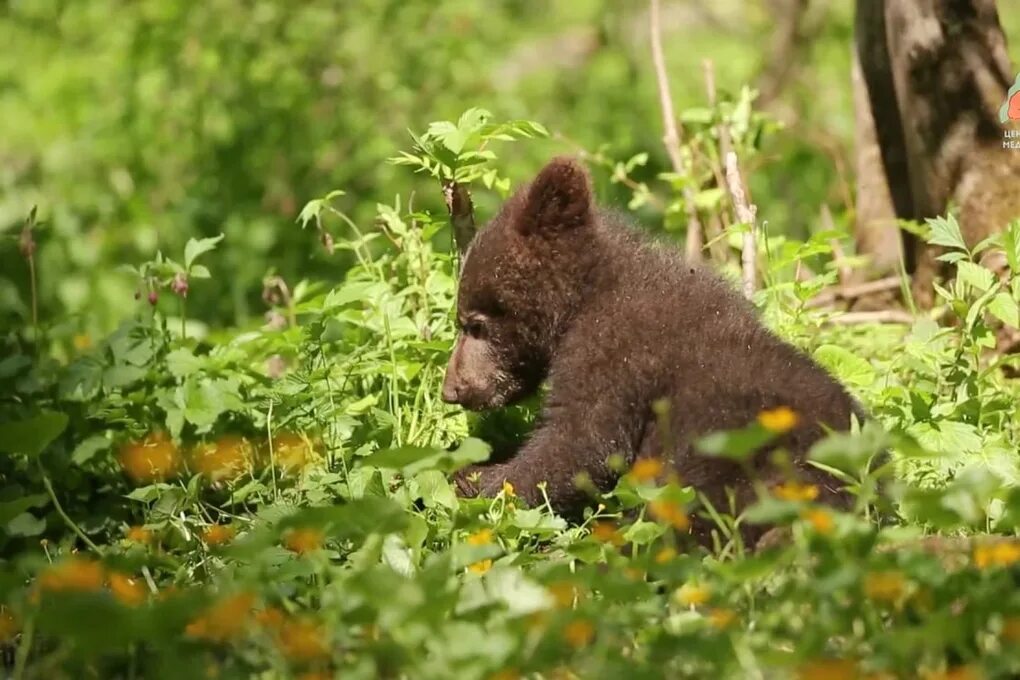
(555, 288)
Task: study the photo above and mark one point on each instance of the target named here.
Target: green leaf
(945, 231)
(11, 509)
(435, 490)
(735, 444)
(1004, 308)
(26, 524)
(770, 510)
(181, 362)
(89, 448)
(414, 459)
(643, 533)
(196, 247)
(845, 365)
(30, 437)
(974, 275)
(1011, 244)
(473, 120)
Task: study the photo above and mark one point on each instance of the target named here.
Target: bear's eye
(474, 328)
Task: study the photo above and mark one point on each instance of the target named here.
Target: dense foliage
(248, 475)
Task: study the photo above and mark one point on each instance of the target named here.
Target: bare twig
(671, 136)
(462, 213)
(746, 215)
(881, 316)
(830, 295)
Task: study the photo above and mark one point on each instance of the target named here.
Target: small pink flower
(180, 284)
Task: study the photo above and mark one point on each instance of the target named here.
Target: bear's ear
(558, 200)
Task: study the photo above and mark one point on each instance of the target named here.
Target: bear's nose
(451, 390)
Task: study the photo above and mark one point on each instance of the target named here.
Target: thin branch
(671, 136)
(882, 316)
(830, 295)
(462, 213)
(746, 214)
(64, 516)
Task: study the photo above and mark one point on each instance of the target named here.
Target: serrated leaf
(974, 275)
(945, 231)
(31, 436)
(181, 362)
(472, 120)
(196, 247)
(1004, 308)
(845, 365)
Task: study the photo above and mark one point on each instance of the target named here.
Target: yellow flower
(73, 574)
(1011, 629)
(292, 451)
(8, 625)
(692, 594)
(564, 593)
(996, 554)
(217, 534)
(579, 633)
(885, 586)
(508, 489)
(794, 491)
(152, 459)
(820, 520)
(646, 469)
(139, 535)
(670, 512)
(634, 574)
(302, 640)
(304, 540)
(778, 420)
(227, 458)
(606, 532)
(665, 555)
(82, 341)
(224, 620)
(828, 669)
(480, 537)
(127, 590)
(721, 619)
(271, 618)
(480, 567)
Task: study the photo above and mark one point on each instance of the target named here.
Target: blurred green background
(136, 125)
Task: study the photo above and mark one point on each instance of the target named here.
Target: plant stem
(63, 515)
(21, 657)
(35, 297)
(272, 454)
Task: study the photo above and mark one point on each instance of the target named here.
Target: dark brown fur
(555, 288)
